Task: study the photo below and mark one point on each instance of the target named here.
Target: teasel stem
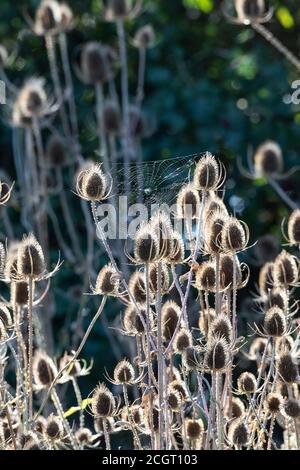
(60, 411)
(23, 385)
(125, 100)
(220, 423)
(106, 435)
(282, 194)
(141, 76)
(271, 431)
(30, 348)
(217, 300)
(211, 417)
(297, 434)
(166, 410)
(12, 433)
(148, 352)
(59, 236)
(160, 359)
(79, 400)
(234, 299)
(135, 434)
(184, 438)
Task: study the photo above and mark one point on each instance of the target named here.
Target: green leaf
(204, 5)
(285, 17)
(75, 409)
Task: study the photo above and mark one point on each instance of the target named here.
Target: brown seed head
(207, 173)
(103, 402)
(268, 160)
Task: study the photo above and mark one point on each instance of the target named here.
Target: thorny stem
(106, 435)
(79, 400)
(60, 411)
(271, 430)
(30, 348)
(148, 352)
(133, 428)
(160, 359)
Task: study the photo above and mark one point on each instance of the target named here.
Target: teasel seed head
(294, 227)
(66, 17)
(44, 369)
(74, 369)
(275, 322)
(103, 402)
(178, 251)
(124, 373)
(292, 408)
(247, 383)
(32, 443)
(152, 418)
(221, 326)
(207, 174)
(274, 403)
(287, 369)
(161, 226)
(111, 118)
(56, 151)
(187, 203)
(286, 270)
(170, 314)
(107, 282)
(257, 348)
(266, 248)
(194, 429)
(144, 37)
(214, 204)
(92, 183)
(137, 287)
(117, 9)
(19, 293)
(180, 387)
(250, 10)
(278, 297)
(213, 232)
(287, 390)
(54, 428)
(237, 409)
(147, 247)
(217, 354)
(97, 63)
(30, 259)
(206, 276)
(238, 433)
(234, 235)
(285, 343)
(32, 99)
(268, 160)
(40, 424)
(132, 322)
(191, 358)
(48, 17)
(174, 399)
(266, 278)
(227, 271)
(153, 278)
(84, 436)
(183, 340)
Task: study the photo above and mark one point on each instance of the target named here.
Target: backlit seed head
(137, 287)
(132, 322)
(207, 173)
(161, 226)
(84, 436)
(11, 261)
(194, 428)
(286, 271)
(257, 348)
(191, 358)
(48, 17)
(274, 403)
(32, 443)
(177, 254)
(294, 227)
(40, 424)
(268, 160)
(221, 326)
(249, 10)
(92, 183)
(227, 271)
(275, 322)
(182, 341)
(217, 354)
(266, 248)
(111, 118)
(44, 369)
(237, 409)
(74, 369)
(286, 343)
(266, 278)
(214, 204)
(56, 151)
(97, 63)
(292, 408)
(238, 433)
(170, 313)
(124, 373)
(19, 293)
(174, 400)
(205, 319)
(66, 17)
(103, 402)
(144, 37)
(164, 278)
(213, 232)
(136, 412)
(206, 276)
(146, 248)
(137, 122)
(107, 282)
(180, 387)
(287, 369)
(152, 418)
(279, 298)
(118, 8)
(30, 259)
(234, 236)
(54, 428)
(32, 99)
(247, 383)
(188, 202)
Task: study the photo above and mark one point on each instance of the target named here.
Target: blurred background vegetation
(210, 85)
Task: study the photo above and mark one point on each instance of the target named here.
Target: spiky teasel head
(217, 354)
(257, 348)
(238, 433)
(183, 340)
(137, 287)
(44, 369)
(144, 37)
(247, 383)
(32, 442)
(250, 10)
(286, 269)
(84, 436)
(294, 227)
(112, 118)
(234, 236)
(30, 259)
(32, 99)
(54, 428)
(191, 358)
(66, 17)
(56, 151)
(164, 284)
(208, 174)
(124, 373)
(116, 10)
(213, 232)
(278, 297)
(170, 314)
(292, 408)
(92, 183)
(274, 403)
(97, 63)
(221, 326)
(5, 316)
(133, 324)
(74, 369)
(40, 424)
(180, 387)
(206, 317)
(178, 250)
(47, 18)
(237, 409)
(286, 343)
(214, 204)
(287, 368)
(266, 278)
(147, 246)
(275, 322)
(206, 276)
(103, 402)
(10, 269)
(187, 203)
(174, 399)
(107, 282)
(268, 160)
(266, 248)
(160, 224)
(227, 262)
(194, 429)
(19, 293)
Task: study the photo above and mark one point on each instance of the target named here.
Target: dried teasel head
(235, 235)
(191, 358)
(286, 343)
(221, 326)
(287, 368)
(217, 354)
(136, 412)
(120, 9)
(84, 436)
(40, 424)
(32, 101)
(275, 322)
(103, 402)
(214, 204)
(47, 18)
(144, 37)
(278, 297)
(257, 349)
(161, 226)
(268, 160)
(187, 203)
(238, 433)
(97, 63)
(208, 174)
(286, 270)
(137, 287)
(266, 248)
(266, 278)
(74, 369)
(19, 293)
(294, 227)
(107, 282)
(66, 17)
(213, 232)
(54, 428)
(111, 118)
(124, 373)
(227, 271)
(250, 10)
(56, 151)
(30, 259)
(180, 387)
(206, 276)
(5, 316)
(147, 245)
(174, 399)
(170, 314)
(154, 283)
(237, 409)
(292, 408)
(194, 429)
(183, 340)
(44, 369)
(274, 403)
(247, 383)
(178, 250)
(92, 183)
